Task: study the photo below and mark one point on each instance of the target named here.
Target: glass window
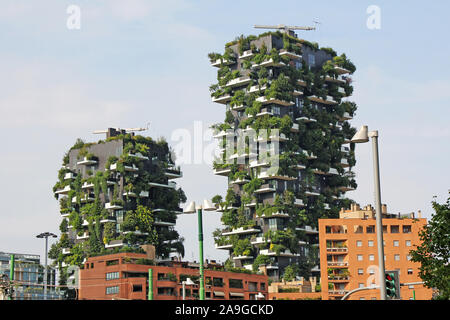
(396, 257)
(236, 283)
(311, 60)
(359, 257)
(276, 110)
(396, 243)
(370, 229)
(112, 275)
(370, 243)
(406, 229)
(217, 282)
(357, 229)
(112, 290)
(371, 257)
(394, 229)
(360, 271)
(408, 243)
(359, 243)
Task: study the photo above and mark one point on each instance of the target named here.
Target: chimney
(419, 214)
(357, 207)
(384, 209)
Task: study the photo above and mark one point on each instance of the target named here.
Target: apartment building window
(137, 287)
(262, 286)
(359, 257)
(276, 110)
(360, 285)
(112, 290)
(408, 257)
(371, 257)
(408, 243)
(371, 271)
(370, 229)
(407, 229)
(236, 283)
(396, 243)
(396, 257)
(395, 229)
(298, 64)
(410, 271)
(112, 275)
(370, 243)
(357, 229)
(360, 271)
(359, 243)
(253, 286)
(311, 60)
(217, 282)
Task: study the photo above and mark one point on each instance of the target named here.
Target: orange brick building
(349, 259)
(125, 276)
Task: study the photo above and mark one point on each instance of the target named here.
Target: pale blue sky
(138, 61)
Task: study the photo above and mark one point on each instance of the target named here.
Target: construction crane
(114, 131)
(284, 28)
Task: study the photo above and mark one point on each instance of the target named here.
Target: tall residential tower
(117, 194)
(293, 96)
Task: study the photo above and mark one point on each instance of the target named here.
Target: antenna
(284, 28)
(316, 22)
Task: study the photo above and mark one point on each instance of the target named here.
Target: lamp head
(208, 206)
(361, 136)
(190, 208)
(189, 282)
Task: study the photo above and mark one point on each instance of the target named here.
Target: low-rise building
(126, 276)
(349, 258)
(27, 282)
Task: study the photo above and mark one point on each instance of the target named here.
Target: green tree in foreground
(434, 252)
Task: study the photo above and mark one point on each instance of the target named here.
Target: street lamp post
(188, 282)
(207, 206)
(362, 136)
(46, 235)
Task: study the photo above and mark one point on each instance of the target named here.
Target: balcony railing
(337, 292)
(335, 249)
(337, 263)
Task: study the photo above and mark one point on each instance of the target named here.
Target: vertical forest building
(295, 97)
(117, 195)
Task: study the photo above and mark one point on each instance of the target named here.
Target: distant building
(28, 281)
(348, 253)
(125, 276)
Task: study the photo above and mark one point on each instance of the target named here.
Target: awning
(236, 294)
(219, 294)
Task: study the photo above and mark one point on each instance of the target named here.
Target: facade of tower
(293, 96)
(117, 195)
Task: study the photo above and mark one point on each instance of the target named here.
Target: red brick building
(125, 276)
